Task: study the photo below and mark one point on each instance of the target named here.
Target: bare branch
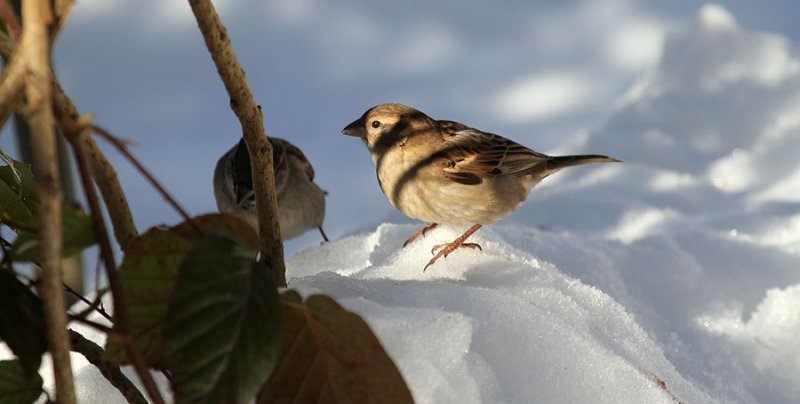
(35, 53)
(12, 83)
(252, 122)
(94, 354)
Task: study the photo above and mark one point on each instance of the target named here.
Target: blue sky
(537, 72)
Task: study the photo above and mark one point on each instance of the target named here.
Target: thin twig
(35, 52)
(252, 122)
(12, 83)
(109, 331)
(123, 149)
(94, 354)
(73, 134)
(92, 306)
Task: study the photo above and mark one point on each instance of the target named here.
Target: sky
(679, 264)
(536, 72)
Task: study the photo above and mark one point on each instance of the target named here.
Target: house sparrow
(446, 172)
(301, 202)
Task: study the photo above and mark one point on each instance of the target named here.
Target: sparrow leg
(467, 245)
(322, 232)
(420, 232)
(446, 249)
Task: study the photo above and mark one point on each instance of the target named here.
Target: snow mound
(496, 325)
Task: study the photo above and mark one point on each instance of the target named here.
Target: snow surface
(679, 266)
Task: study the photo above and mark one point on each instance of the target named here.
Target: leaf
(148, 273)
(77, 232)
(18, 206)
(17, 387)
(21, 322)
(223, 224)
(17, 195)
(329, 354)
(4, 28)
(10, 162)
(223, 324)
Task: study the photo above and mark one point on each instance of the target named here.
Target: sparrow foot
(420, 232)
(447, 245)
(447, 248)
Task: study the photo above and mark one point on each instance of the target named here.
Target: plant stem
(94, 354)
(35, 53)
(252, 122)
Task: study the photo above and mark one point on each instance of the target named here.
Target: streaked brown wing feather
(472, 155)
(288, 149)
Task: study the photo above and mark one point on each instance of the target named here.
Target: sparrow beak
(356, 128)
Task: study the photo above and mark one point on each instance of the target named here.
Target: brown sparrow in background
(446, 172)
(301, 202)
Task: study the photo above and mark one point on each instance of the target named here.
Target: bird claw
(420, 232)
(446, 248)
(444, 245)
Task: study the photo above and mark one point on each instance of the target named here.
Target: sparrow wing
(242, 176)
(294, 151)
(471, 155)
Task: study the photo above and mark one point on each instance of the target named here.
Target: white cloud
(542, 96)
(733, 173)
(636, 45)
(716, 17)
(423, 50)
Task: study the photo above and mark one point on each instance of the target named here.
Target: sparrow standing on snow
(301, 202)
(446, 172)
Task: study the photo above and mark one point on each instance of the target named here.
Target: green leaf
(223, 325)
(148, 273)
(22, 322)
(18, 206)
(77, 233)
(17, 195)
(11, 164)
(329, 354)
(4, 28)
(17, 387)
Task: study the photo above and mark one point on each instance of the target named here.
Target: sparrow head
(385, 125)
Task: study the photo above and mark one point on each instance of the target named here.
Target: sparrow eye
(376, 124)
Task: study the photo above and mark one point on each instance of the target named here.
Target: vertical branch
(252, 121)
(34, 49)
